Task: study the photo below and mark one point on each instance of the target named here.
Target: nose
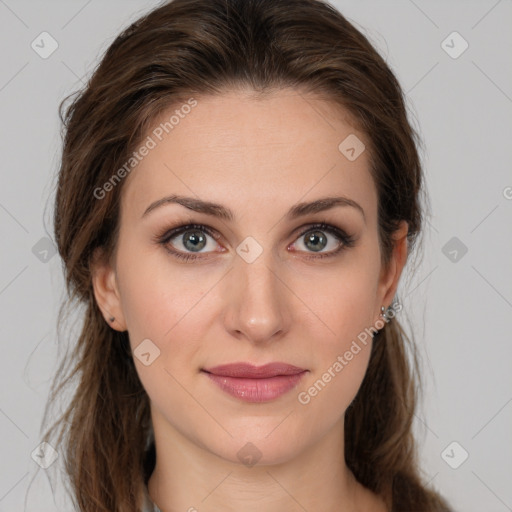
(257, 305)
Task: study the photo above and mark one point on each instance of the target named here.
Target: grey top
(149, 506)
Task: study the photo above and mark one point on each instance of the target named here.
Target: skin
(258, 157)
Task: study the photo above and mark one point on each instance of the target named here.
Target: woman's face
(264, 285)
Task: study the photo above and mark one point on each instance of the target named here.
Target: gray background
(459, 304)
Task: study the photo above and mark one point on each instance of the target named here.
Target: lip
(256, 383)
(249, 371)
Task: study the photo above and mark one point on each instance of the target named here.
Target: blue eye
(195, 236)
(316, 237)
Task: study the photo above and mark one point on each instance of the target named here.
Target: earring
(383, 313)
(111, 319)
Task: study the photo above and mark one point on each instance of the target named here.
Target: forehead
(240, 150)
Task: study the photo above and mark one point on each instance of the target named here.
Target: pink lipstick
(256, 383)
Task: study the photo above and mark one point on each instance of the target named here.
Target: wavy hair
(185, 48)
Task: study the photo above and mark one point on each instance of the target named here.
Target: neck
(191, 478)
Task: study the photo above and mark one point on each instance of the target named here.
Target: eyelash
(164, 238)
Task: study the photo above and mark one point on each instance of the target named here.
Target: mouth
(255, 383)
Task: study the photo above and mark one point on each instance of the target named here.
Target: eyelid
(172, 232)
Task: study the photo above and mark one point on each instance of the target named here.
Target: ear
(106, 291)
(390, 276)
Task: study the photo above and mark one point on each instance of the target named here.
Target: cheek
(340, 302)
(156, 296)
(341, 334)
(337, 376)
(161, 305)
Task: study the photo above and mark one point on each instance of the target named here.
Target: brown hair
(188, 48)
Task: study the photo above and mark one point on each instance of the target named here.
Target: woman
(238, 195)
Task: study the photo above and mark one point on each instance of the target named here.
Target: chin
(256, 445)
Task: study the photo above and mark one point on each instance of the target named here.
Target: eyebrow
(222, 212)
